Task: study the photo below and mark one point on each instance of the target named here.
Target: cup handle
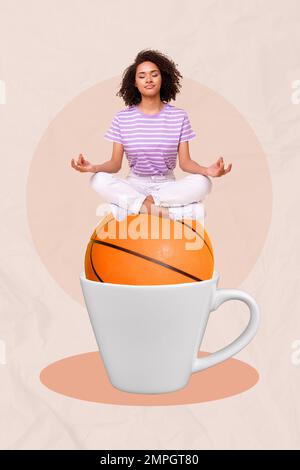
(220, 296)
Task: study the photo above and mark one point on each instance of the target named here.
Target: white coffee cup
(149, 336)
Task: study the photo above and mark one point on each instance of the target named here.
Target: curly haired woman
(152, 132)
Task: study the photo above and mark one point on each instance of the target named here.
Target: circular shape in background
(84, 377)
(62, 206)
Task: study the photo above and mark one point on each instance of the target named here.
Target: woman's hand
(217, 169)
(81, 164)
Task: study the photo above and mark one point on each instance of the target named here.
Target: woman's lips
(149, 86)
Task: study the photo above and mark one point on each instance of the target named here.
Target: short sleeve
(187, 132)
(113, 133)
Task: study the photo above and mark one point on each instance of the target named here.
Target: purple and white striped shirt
(151, 141)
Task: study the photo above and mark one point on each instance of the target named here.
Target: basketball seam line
(91, 259)
(148, 258)
(187, 225)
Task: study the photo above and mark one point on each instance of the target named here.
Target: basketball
(146, 249)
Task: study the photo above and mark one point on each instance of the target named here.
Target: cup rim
(214, 279)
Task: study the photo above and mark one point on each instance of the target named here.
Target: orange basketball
(146, 249)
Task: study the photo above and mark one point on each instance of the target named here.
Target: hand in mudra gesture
(81, 164)
(217, 169)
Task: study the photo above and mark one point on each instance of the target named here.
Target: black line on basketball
(148, 258)
(183, 223)
(93, 267)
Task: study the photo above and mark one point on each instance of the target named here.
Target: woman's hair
(170, 85)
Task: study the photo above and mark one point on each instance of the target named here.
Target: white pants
(125, 196)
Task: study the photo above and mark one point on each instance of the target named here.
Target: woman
(151, 132)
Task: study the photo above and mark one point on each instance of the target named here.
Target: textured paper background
(247, 52)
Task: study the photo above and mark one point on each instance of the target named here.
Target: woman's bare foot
(149, 207)
(146, 206)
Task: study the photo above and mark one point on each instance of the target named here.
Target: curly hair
(170, 85)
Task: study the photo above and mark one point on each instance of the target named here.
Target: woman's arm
(111, 166)
(190, 166)
(185, 161)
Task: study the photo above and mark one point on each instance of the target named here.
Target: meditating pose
(152, 132)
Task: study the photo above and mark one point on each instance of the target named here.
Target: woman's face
(148, 79)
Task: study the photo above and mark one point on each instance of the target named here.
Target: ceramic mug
(149, 336)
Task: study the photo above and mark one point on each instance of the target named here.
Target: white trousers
(183, 197)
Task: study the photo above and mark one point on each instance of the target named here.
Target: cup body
(149, 336)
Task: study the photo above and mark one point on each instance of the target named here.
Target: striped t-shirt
(150, 141)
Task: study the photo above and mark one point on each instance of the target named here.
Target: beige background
(247, 52)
